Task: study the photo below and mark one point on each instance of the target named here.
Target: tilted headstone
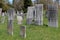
(52, 15)
(23, 31)
(10, 20)
(39, 14)
(0, 11)
(30, 15)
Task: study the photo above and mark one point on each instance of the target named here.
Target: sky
(32, 0)
(12, 0)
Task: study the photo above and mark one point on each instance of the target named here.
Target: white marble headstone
(19, 18)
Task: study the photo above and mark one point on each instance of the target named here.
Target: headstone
(5, 13)
(3, 17)
(10, 21)
(39, 14)
(22, 14)
(30, 15)
(23, 31)
(52, 15)
(19, 18)
(0, 14)
(0, 11)
(14, 14)
(19, 13)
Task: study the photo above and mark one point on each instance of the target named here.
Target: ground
(34, 32)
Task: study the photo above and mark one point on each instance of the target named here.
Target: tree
(26, 4)
(18, 4)
(3, 5)
(45, 2)
(21, 4)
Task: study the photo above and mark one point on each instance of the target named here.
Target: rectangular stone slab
(3, 17)
(23, 31)
(0, 11)
(30, 15)
(10, 27)
(10, 21)
(39, 14)
(52, 15)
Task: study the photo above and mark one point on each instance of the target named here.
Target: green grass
(33, 32)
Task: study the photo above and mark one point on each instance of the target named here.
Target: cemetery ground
(33, 32)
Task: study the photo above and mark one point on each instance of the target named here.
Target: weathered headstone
(10, 21)
(19, 13)
(0, 14)
(0, 11)
(19, 18)
(22, 14)
(30, 15)
(52, 15)
(23, 31)
(39, 14)
(14, 14)
(3, 17)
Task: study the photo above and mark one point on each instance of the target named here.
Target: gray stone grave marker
(0, 14)
(30, 15)
(52, 15)
(39, 14)
(3, 17)
(23, 31)
(0, 11)
(14, 14)
(10, 20)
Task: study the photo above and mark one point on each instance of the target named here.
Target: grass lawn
(34, 32)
